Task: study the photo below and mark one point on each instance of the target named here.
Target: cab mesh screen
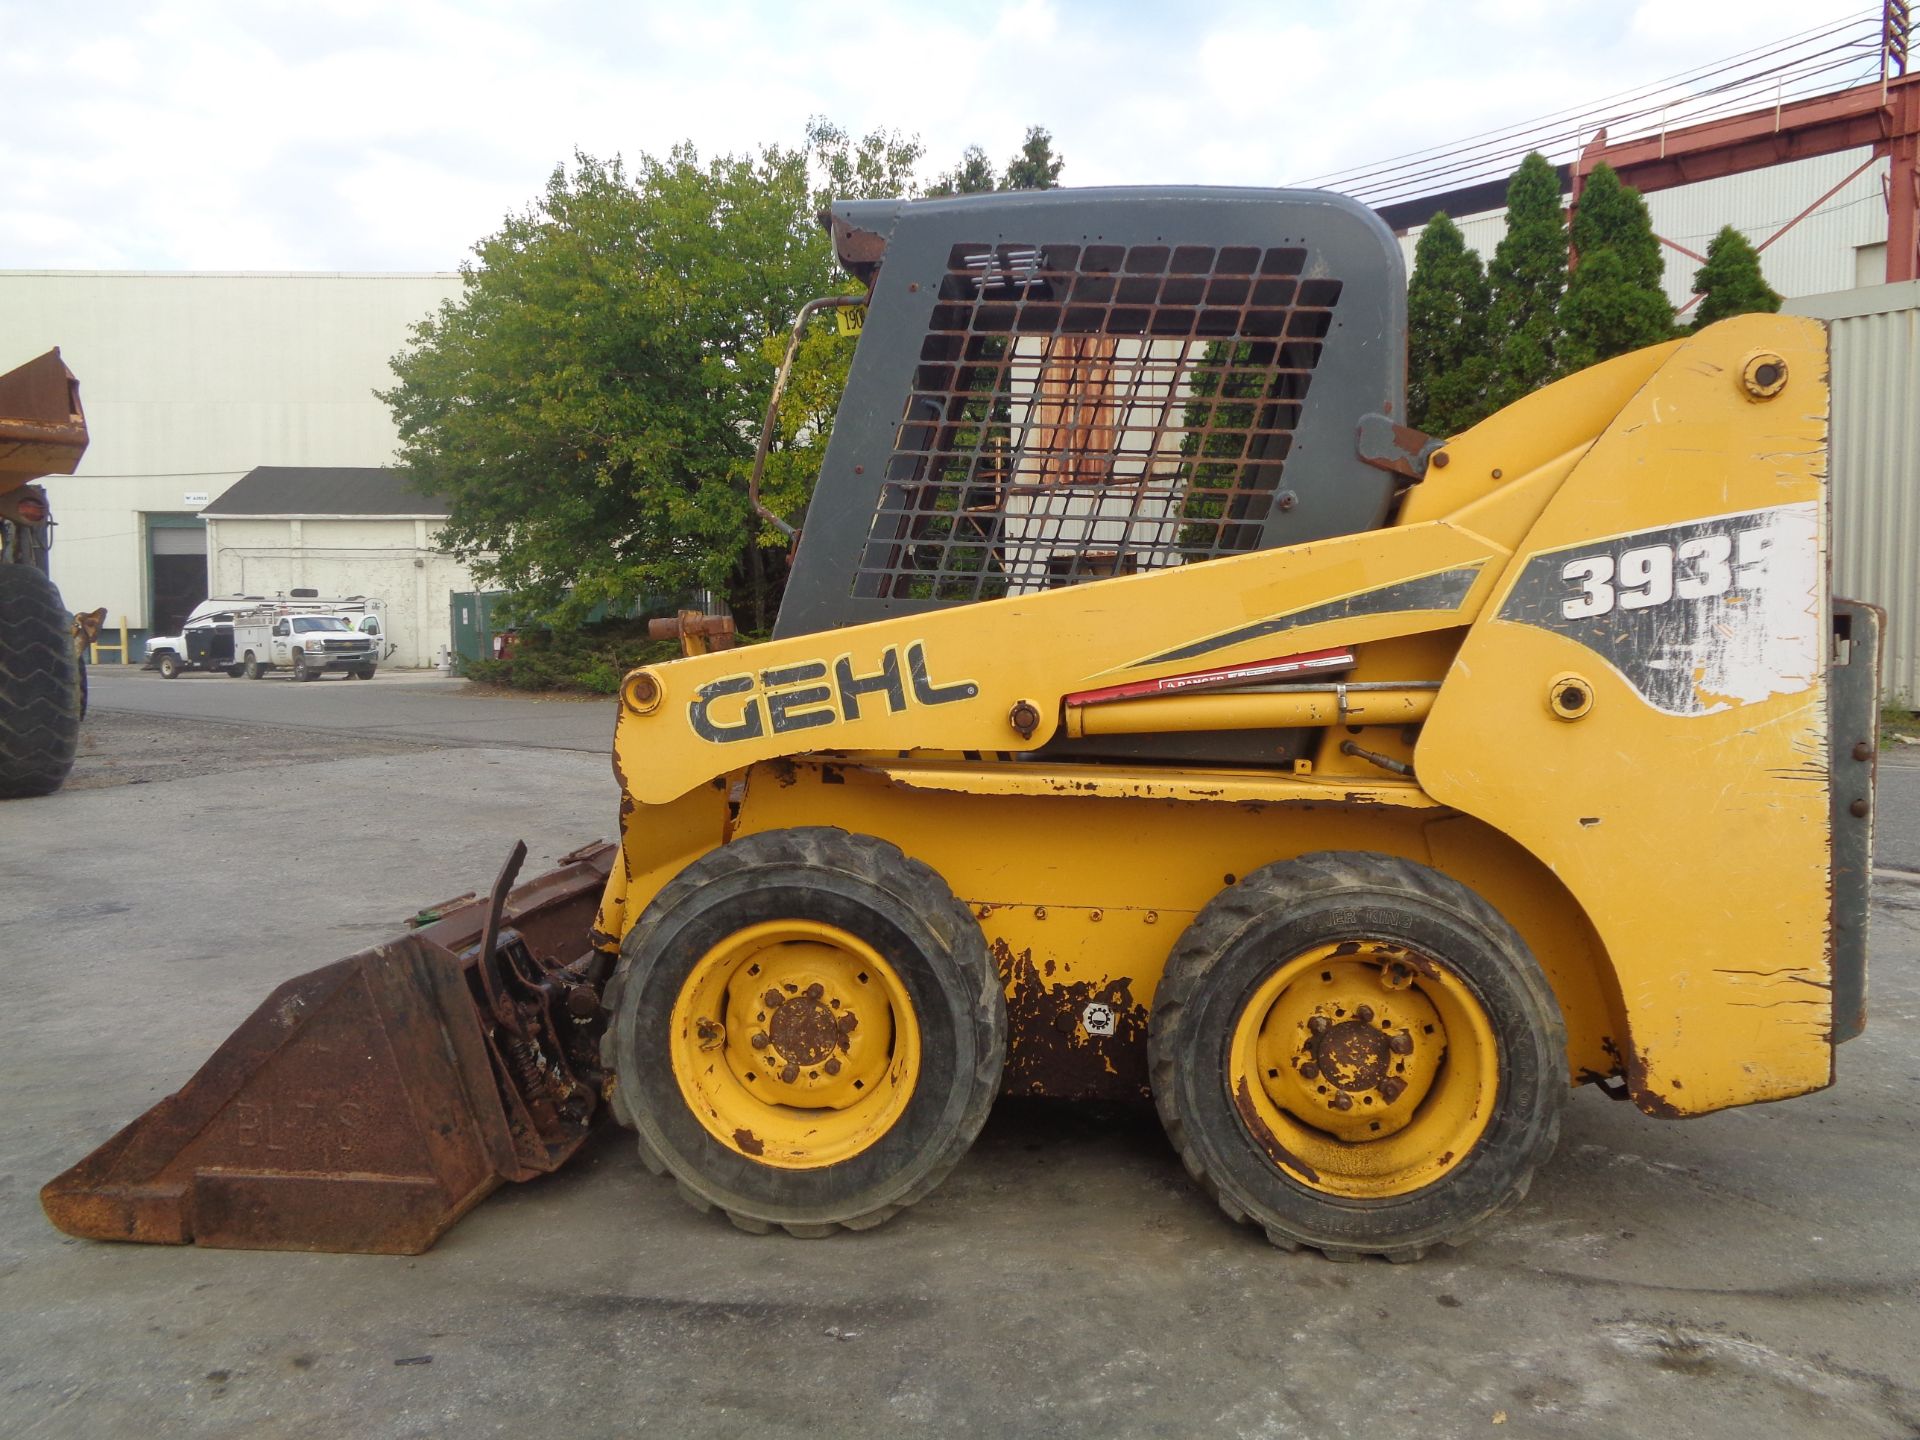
(1084, 411)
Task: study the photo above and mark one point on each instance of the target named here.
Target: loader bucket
(368, 1105)
(42, 428)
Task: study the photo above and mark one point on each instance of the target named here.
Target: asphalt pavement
(1746, 1275)
(422, 706)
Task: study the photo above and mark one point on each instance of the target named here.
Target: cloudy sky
(391, 134)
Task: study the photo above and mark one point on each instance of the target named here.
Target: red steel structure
(1884, 115)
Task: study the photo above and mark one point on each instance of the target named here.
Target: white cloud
(348, 134)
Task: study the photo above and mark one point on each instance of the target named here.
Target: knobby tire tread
(879, 863)
(1228, 915)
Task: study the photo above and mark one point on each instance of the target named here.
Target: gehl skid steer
(1151, 713)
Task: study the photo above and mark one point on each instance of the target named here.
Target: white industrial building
(190, 382)
(341, 531)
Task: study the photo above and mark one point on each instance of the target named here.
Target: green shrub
(591, 658)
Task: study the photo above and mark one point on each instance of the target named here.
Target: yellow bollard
(93, 656)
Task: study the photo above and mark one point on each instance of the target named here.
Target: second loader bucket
(367, 1105)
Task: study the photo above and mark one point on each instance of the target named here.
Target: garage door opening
(177, 563)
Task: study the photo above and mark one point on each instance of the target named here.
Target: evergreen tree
(1446, 332)
(1036, 167)
(1528, 276)
(1614, 301)
(1731, 282)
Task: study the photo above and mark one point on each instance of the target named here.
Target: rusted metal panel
(367, 1105)
(42, 428)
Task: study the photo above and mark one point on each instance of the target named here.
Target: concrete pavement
(1747, 1275)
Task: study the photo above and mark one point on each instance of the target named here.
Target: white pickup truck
(308, 644)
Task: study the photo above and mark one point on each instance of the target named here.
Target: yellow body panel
(1081, 898)
(1697, 843)
(1645, 802)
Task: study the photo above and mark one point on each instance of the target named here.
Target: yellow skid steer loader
(1151, 714)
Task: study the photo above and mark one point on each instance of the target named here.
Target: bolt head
(1364, 1014)
(1392, 1088)
(832, 1067)
(1309, 1072)
(759, 1041)
(1317, 1024)
(1341, 1101)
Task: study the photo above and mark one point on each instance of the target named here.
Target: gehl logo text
(798, 697)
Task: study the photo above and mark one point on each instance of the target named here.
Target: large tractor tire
(1359, 1054)
(806, 1031)
(40, 699)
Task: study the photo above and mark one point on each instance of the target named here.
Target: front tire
(806, 1031)
(301, 670)
(363, 672)
(1357, 1053)
(40, 698)
(168, 664)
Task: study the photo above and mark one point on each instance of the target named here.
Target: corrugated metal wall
(1876, 461)
(1817, 256)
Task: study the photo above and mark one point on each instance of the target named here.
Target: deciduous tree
(588, 404)
(974, 175)
(1036, 167)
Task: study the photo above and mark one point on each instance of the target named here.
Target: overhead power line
(1776, 71)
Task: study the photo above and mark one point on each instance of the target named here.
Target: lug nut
(847, 1023)
(790, 1074)
(815, 991)
(1317, 1024)
(759, 1041)
(1309, 1072)
(1364, 1014)
(1342, 1101)
(773, 999)
(1392, 1088)
(832, 1067)
(1401, 1044)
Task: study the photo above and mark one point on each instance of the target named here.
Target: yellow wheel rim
(795, 1043)
(1364, 1069)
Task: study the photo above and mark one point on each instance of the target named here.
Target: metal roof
(324, 490)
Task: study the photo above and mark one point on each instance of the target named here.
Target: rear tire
(168, 664)
(252, 668)
(779, 1139)
(40, 698)
(1357, 1053)
(234, 672)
